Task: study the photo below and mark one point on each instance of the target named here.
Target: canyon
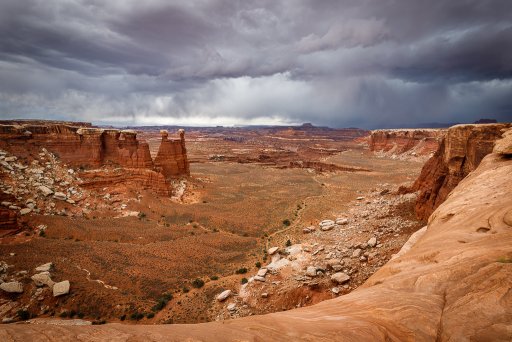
(460, 152)
(351, 261)
(401, 143)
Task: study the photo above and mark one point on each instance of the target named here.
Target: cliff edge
(460, 152)
(453, 284)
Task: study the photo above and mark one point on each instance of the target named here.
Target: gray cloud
(340, 63)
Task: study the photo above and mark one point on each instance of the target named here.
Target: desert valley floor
(235, 205)
(267, 221)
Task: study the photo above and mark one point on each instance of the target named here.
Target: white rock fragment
(45, 267)
(272, 250)
(42, 279)
(372, 242)
(61, 288)
(12, 287)
(224, 295)
(46, 191)
(340, 278)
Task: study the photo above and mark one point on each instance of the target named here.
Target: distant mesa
(485, 121)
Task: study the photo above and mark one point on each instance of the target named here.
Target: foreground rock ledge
(452, 285)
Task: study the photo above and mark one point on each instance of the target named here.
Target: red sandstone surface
(452, 284)
(460, 152)
(419, 143)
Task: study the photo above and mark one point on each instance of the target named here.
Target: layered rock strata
(419, 142)
(171, 158)
(86, 148)
(459, 153)
(453, 284)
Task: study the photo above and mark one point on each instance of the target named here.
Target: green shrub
(23, 315)
(214, 278)
(258, 264)
(198, 283)
(64, 314)
(150, 315)
(286, 222)
(136, 316)
(244, 281)
(185, 289)
(288, 243)
(242, 270)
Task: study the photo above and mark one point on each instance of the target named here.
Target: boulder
(356, 253)
(232, 307)
(61, 288)
(12, 287)
(262, 272)
(342, 221)
(224, 295)
(258, 278)
(327, 224)
(340, 278)
(45, 190)
(42, 279)
(272, 250)
(45, 267)
(311, 271)
(25, 211)
(60, 196)
(372, 242)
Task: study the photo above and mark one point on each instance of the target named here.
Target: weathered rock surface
(459, 153)
(272, 250)
(415, 142)
(452, 285)
(45, 267)
(224, 295)
(141, 178)
(172, 156)
(82, 146)
(61, 288)
(43, 278)
(12, 287)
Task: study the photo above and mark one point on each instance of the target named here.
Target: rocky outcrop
(459, 153)
(453, 284)
(8, 217)
(89, 148)
(138, 178)
(416, 142)
(171, 158)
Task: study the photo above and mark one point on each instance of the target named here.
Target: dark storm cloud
(346, 62)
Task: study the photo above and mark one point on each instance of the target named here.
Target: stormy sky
(364, 63)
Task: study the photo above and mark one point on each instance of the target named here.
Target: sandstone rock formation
(460, 152)
(85, 147)
(452, 285)
(172, 155)
(416, 142)
(139, 178)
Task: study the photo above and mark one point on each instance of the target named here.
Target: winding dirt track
(454, 284)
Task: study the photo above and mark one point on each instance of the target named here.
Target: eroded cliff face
(172, 155)
(414, 142)
(453, 284)
(459, 153)
(87, 148)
